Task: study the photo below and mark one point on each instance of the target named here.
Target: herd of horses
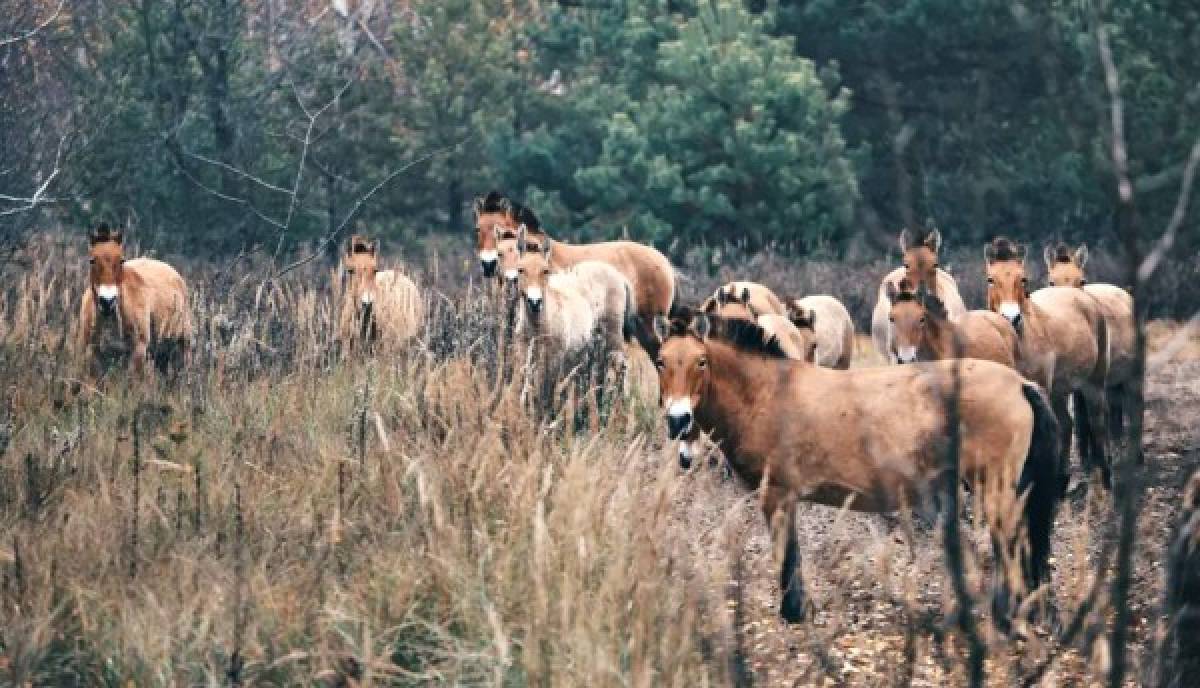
(768, 380)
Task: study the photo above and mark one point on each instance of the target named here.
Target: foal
(138, 306)
(923, 330)
(920, 251)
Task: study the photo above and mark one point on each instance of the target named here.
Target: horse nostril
(678, 424)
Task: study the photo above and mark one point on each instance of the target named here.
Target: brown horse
(648, 271)
(493, 214)
(1063, 340)
(1064, 268)
(757, 297)
(828, 323)
(923, 331)
(138, 306)
(920, 251)
(871, 439)
(378, 306)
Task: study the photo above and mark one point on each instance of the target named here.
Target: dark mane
(933, 305)
(523, 215)
(1062, 253)
(747, 336)
(493, 202)
(1004, 249)
(360, 244)
(742, 335)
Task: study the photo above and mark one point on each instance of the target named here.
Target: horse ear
(1049, 255)
(891, 291)
(116, 236)
(1021, 252)
(721, 297)
(904, 240)
(662, 328)
(100, 233)
(710, 304)
(1081, 256)
(989, 253)
(746, 295)
(478, 206)
(701, 326)
(933, 240)
(522, 243)
(546, 250)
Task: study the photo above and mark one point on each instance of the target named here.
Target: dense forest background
(226, 126)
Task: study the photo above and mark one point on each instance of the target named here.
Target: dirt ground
(873, 578)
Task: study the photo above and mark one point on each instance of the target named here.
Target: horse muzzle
(678, 424)
(534, 304)
(107, 305)
(685, 455)
(906, 354)
(489, 267)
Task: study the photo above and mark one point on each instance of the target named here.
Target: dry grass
(284, 516)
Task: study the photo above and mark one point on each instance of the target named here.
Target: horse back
(1073, 328)
(152, 289)
(881, 430)
(648, 270)
(988, 335)
(834, 328)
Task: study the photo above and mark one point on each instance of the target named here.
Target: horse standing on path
(1064, 346)
(870, 439)
(135, 307)
(1064, 268)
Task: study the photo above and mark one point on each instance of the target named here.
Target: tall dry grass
(282, 514)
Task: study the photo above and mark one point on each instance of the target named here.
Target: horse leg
(779, 507)
(1097, 414)
(1116, 411)
(1081, 414)
(1063, 415)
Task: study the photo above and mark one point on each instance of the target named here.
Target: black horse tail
(1040, 477)
(629, 322)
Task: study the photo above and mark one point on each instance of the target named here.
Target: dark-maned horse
(1063, 346)
(872, 439)
(923, 331)
(920, 255)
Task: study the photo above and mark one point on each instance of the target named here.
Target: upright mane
(525, 216)
(1062, 253)
(1002, 249)
(493, 202)
(743, 335)
(360, 244)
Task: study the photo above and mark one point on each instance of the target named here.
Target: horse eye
(658, 363)
(349, 271)
(546, 271)
(922, 320)
(702, 363)
(92, 261)
(1082, 282)
(520, 271)
(891, 319)
(991, 281)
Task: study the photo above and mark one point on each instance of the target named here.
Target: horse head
(1064, 268)
(107, 258)
(1007, 284)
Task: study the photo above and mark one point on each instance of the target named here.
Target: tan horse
(828, 324)
(493, 213)
(137, 307)
(872, 439)
(1063, 340)
(920, 267)
(379, 307)
(759, 298)
(648, 271)
(923, 331)
(568, 306)
(1065, 269)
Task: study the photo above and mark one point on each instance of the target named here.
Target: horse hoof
(796, 609)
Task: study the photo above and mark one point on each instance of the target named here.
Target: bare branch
(1164, 244)
(34, 31)
(239, 172)
(333, 236)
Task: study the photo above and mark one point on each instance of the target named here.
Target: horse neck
(939, 338)
(1035, 319)
(737, 382)
(565, 255)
